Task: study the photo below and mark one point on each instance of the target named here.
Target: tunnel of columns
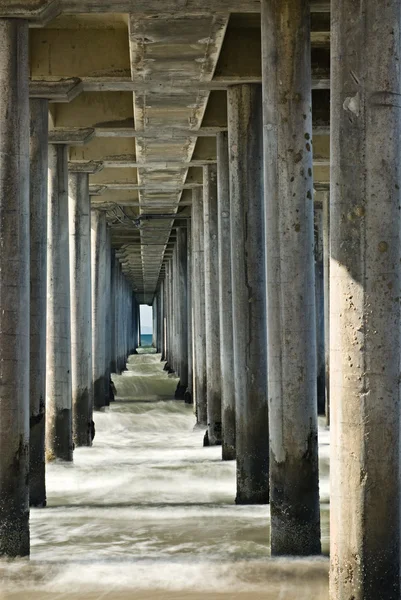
(235, 165)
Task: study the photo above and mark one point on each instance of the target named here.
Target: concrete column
(174, 313)
(14, 288)
(319, 300)
(168, 365)
(189, 392)
(248, 293)
(154, 322)
(365, 290)
(161, 322)
(99, 282)
(182, 312)
(211, 249)
(113, 312)
(225, 300)
(294, 499)
(81, 308)
(107, 291)
(326, 279)
(38, 265)
(198, 304)
(59, 442)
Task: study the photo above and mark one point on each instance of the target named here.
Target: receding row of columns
(60, 334)
(278, 330)
(272, 277)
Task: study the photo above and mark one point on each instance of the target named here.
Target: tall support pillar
(59, 444)
(113, 312)
(365, 290)
(169, 363)
(108, 315)
(326, 280)
(319, 300)
(182, 311)
(14, 288)
(287, 127)
(81, 308)
(225, 300)
(189, 392)
(161, 319)
(198, 304)
(211, 248)
(38, 265)
(248, 293)
(99, 282)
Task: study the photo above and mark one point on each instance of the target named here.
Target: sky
(146, 316)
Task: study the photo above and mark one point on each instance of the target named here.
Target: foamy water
(149, 513)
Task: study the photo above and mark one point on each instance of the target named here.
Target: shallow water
(149, 513)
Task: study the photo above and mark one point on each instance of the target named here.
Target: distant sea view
(146, 339)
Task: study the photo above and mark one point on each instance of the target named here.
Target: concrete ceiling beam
(85, 166)
(58, 90)
(77, 136)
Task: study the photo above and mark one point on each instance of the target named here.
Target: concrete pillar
(169, 355)
(38, 266)
(365, 290)
(81, 308)
(99, 282)
(248, 293)
(59, 442)
(14, 288)
(182, 312)
(225, 300)
(161, 321)
(319, 301)
(154, 322)
(211, 249)
(198, 304)
(107, 291)
(113, 312)
(326, 279)
(287, 127)
(189, 392)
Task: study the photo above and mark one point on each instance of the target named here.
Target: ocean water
(148, 513)
(146, 340)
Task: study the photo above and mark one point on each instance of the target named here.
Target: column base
(37, 478)
(180, 391)
(216, 440)
(61, 445)
(228, 452)
(244, 498)
(188, 397)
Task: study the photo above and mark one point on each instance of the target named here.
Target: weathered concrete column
(154, 322)
(211, 249)
(14, 288)
(326, 279)
(59, 442)
(365, 290)
(182, 312)
(38, 265)
(225, 300)
(198, 303)
(161, 319)
(248, 293)
(113, 313)
(81, 308)
(107, 292)
(189, 392)
(319, 301)
(169, 333)
(294, 481)
(99, 282)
